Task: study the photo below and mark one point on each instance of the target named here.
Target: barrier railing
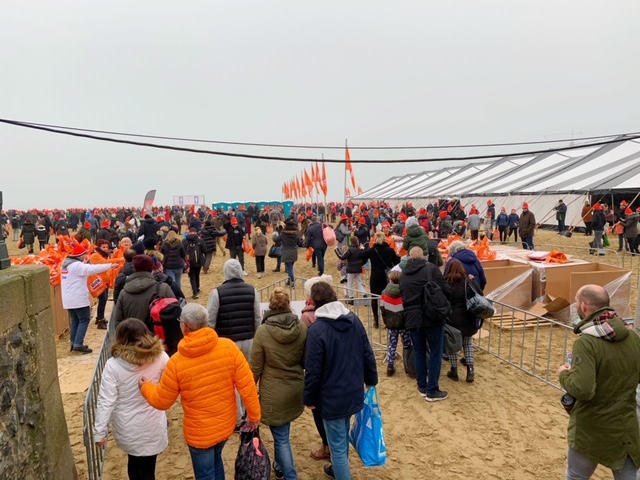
(95, 455)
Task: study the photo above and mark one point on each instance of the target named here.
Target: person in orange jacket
(205, 373)
(102, 255)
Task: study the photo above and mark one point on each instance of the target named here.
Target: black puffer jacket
(149, 228)
(209, 234)
(173, 254)
(355, 259)
(314, 237)
(28, 233)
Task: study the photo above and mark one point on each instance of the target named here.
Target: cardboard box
(60, 315)
(515, 292)
(500, 272)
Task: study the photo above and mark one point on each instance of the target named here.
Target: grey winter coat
(289, 239)
(259, 244)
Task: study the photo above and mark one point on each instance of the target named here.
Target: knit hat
(386, 224)
(443, 214)
(422, 211)
(105, 224)
(87, 225)
(234, 221)
(525, 205)
(159, 219)
(78, 250)
(411, 221)
(402, 217)
(628, 211)
(149, 243)
(363, 221)
(597, 206)
(143, 263)
(344, 217)
(489, 202)
(623, 203)
(313, 280)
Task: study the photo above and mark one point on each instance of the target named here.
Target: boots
(375, 323)
(453, 374)
(470, 374)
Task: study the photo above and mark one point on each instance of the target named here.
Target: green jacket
(603, 425)
(416, 237)
(277, 363)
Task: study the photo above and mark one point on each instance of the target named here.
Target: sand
(506, 425)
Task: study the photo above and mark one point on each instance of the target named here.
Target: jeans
(319, 253)
(102, 303)
(597, 237)
(580, 467)
(561, 226)
(175, 274)
(283, 454)
(338, 437)
(207, 462)
(289, 267)
(278, 263)
(80, 318)
(434, 337)
(142, 468)
(527, 243)
(16, 234)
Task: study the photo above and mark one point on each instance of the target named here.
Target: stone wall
(34, 442)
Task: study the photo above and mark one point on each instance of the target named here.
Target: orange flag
(348, 192)
(308, 180)
(324, 180)
(360, 192)
(349, 167)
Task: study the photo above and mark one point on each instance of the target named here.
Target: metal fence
(95, 456)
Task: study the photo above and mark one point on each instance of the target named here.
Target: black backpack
(194, 253)
(436, 305)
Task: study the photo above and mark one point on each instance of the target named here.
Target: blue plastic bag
(366, 431)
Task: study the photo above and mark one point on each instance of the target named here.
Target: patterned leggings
(467, 348)
(392, 343)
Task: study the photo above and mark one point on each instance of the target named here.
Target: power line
(298, 159)
(318, 147)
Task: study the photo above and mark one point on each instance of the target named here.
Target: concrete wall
(34, 442)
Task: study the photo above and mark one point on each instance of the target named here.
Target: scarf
(599, 326)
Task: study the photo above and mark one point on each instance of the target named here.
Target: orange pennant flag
(360, 192)
(324, 179)
(348, 192)
(308, 180)
(349, 167)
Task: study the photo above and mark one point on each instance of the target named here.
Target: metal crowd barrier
(95, 456)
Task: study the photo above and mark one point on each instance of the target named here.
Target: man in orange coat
(205, 373)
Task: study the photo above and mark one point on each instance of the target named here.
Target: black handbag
(275, 251)
(478, 305)
(252, 461)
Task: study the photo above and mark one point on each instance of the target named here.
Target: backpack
(164, 314)
(194, 254)
(436, 305)
(329, 235)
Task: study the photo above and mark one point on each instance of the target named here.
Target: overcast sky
(294, 72)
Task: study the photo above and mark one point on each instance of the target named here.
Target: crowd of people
(235, 367)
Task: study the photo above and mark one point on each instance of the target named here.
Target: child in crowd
(393, 317)
(259, 244)
(354, 257)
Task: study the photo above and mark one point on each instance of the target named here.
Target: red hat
(87, 225)
(215, 214)
(422, 211)
(443, 214)
(628, 211)
(78, 250)
(489, 202)
(159, 219)
(597, 206)
(624, 203)
(234, 220)
(461, 207)
(449, 208)
(105, 224)
(363, 221)
(402, 217)
(386, 224)
(344, 217)
(525, 205)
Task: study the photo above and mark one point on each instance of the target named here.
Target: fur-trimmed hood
(136, 356)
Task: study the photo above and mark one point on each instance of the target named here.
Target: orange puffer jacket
(204, 373)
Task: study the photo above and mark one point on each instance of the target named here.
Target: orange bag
(618, 229)
(496, 234)
(309, 253)
(96, 286)
(248, 249)
(556, 256)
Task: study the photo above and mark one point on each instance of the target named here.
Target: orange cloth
(204, 373)
(556, 256)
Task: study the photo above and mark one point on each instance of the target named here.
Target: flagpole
(344, 190)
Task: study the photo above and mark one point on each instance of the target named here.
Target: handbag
(452, 340)
(21, 243)
(409, 361)
(478, 305)
(252, 461)
(366, 433)
(275, 251)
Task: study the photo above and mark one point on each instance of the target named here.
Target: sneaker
(277, 472)
(390, 371)
(83, 349)
(245, 273)
(328, 471)
(437, 396)
(195, 296)
(422, 392)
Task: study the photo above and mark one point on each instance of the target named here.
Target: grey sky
(377, 73)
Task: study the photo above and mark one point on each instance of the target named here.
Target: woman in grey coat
(290, 239)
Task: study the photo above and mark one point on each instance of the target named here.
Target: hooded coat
(290, 239)
(471, 265)
(339, 362)
(138, 428)
(173, 252)
(149, 228)
(631, 225)
(603, 424)
(277, 363)
(134, 299)
(416, 237)
(206, 372)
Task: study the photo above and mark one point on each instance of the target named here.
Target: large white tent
(606, 173)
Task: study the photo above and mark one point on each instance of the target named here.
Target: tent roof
(615, 166)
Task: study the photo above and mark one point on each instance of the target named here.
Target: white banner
(182, 200)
